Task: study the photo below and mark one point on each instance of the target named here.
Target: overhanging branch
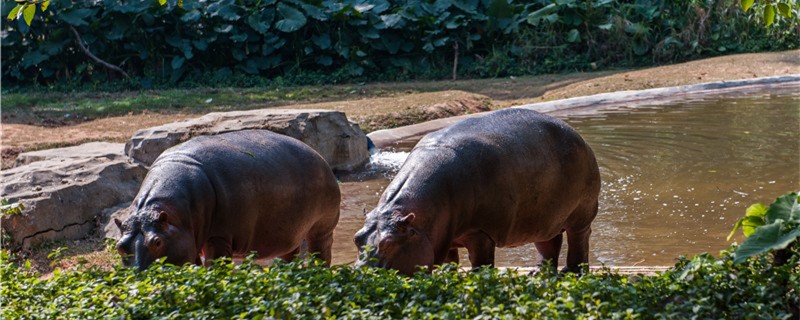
(93, 57)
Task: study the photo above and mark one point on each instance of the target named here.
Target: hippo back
(508, 171)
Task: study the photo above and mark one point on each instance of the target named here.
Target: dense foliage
(252, 42)
(703, 287)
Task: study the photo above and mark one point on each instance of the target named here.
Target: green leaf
(177, 62)
(393, 20)
(292, 19)
(33, 58)
(785, 10)
(769, 15)
(14, 12)
(574, 36)
(535, 17)
(606, 26)
(746, 4)
(322, 41)
(226, 9)
(314, 12)
(28, 12)
(191, 16)
(324, 60)
(75, 17)
(468, 6)
(765, 238)
(162, 2)
(262, 21)
(784, 208)
(750, 224)
(756, 210)
(45, 5)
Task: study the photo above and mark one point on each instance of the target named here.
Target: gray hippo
(509, 178)
(229, 194)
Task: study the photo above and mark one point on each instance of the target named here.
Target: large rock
(65, 191)
(86, 150)
(341, 143)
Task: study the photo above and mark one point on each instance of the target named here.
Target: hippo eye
(156, 242)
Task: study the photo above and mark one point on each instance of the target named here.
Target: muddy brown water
(676, 177)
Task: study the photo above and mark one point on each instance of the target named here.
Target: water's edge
(389, 137)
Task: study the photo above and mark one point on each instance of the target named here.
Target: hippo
(231, 194)
(508, 178)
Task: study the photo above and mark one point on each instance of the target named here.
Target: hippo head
(151, 234)
(394, 243)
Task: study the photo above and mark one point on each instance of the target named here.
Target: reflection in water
(675, 177)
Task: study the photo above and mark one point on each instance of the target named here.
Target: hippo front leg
(549, 250)
(452, 256)
(480, 248)
(217, 247)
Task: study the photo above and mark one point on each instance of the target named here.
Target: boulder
(340, 142)
(65, 191)
(86, 150)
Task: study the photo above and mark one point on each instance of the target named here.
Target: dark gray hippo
(229, 194)
(509, 178)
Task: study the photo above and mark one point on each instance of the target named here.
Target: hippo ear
(163, 217)
(168, 218)
(119, 224)
(408, 219)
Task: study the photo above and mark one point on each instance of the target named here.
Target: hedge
(248, 42)
(703, 287)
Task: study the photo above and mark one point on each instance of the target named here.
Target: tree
(770, 7)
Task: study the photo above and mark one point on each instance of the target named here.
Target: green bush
(244, 42)
(703, 287)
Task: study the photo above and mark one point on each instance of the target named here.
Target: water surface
(675, 177)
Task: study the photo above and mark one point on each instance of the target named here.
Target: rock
(341, 143)
(120, 211)
(64, 195)
(86, 150)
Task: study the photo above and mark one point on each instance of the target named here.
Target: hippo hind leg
(549, 251)
(578, 241)
(320, 242)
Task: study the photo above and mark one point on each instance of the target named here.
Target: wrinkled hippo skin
(228, 195)
(509, 178)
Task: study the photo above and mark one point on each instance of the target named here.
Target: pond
(676, 176)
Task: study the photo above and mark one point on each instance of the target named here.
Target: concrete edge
(387, 137)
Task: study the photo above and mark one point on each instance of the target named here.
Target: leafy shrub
(772, 228)
(703, 287)
(239, 42)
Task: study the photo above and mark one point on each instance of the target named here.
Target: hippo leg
(217, 247)
(480, 247)
(452, 256)
(321, 245)
(577, 248)
(291, 255)
(578, 238)
(549, 250)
